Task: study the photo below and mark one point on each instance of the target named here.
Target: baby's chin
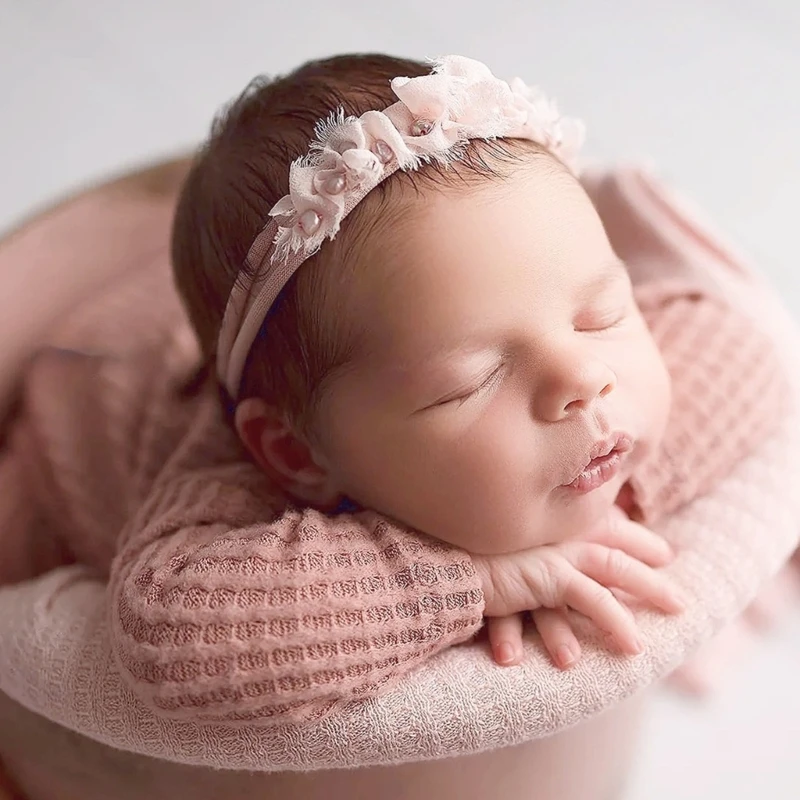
(573, 515)
(551, 525)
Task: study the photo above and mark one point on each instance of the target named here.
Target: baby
(480, 369)
(444, 401)
(482, 372)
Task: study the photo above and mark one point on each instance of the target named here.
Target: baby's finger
(557, 636)
(611, 567)
(635, 540)
(505, 639)
(601, 606)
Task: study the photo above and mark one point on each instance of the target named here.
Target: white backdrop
(707, 90)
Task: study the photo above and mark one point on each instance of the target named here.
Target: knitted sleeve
(224, 608)
(729, 391)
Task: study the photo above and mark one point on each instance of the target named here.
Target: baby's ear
(284, 454)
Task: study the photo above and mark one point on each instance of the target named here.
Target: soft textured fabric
(731, 539)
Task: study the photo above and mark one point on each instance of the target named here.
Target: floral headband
(435, 116)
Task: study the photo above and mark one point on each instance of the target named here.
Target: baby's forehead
(427, 259)
(540, 220)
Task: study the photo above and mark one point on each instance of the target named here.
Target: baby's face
(503, 352)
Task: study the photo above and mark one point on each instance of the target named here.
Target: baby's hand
(577, 574)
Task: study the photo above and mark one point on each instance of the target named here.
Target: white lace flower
(304, 216)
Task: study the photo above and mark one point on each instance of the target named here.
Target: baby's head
(461, 349)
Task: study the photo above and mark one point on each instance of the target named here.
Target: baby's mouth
(603, 463)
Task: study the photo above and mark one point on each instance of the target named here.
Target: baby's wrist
(483, 572)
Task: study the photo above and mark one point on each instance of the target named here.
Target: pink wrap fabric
(54, 652)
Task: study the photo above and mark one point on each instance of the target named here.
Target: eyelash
(489, 383)
(619, 317)
(601, 328)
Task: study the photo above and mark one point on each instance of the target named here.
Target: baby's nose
(571, 386)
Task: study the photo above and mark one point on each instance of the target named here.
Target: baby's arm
(729, 393)
(289, 618)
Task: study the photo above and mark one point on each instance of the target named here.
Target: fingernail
(565, 656)
(504, 653)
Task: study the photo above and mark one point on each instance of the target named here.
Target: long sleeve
(729, 391)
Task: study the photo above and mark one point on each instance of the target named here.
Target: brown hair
(239, 174)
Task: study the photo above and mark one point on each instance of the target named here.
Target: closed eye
(486, 385)
(604, 313)
(601, 321)
(605, 301)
